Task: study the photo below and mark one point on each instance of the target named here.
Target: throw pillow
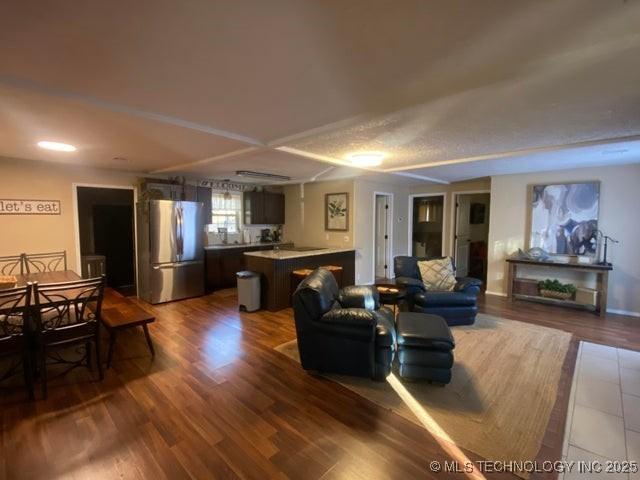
(437, 274)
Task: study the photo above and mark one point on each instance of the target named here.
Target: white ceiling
(451, 90)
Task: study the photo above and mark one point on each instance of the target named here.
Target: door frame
(389, 251)
(454, 217)
(445, 205)
(76, 222)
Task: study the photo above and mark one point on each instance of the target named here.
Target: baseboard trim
(497, 294)
(623, 312)
(609, 310)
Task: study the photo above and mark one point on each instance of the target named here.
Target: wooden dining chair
(67, 314)
(12, 265)
(15, 306)
(45, 262)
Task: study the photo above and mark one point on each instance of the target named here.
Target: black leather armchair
(345, 332)
(458, 307)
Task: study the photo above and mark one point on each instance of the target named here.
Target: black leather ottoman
(425, 347)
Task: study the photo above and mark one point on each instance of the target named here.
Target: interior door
(381, 237)
(463, 210)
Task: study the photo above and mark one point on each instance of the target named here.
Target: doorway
(106, 235)
(426, 235)
(471, 236)
(382, 229)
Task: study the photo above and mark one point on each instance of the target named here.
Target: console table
(602, 281)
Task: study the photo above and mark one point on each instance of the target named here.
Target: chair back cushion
(404, 266)
(437, 275)
(315, 295)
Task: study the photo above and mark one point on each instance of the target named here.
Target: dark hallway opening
(106, 224)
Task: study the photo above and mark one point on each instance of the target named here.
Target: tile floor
(603, 422)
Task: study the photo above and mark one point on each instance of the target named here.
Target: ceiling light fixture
(57, 146)
(261, 175)
(366, 159)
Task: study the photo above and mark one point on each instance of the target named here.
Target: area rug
(504, 386)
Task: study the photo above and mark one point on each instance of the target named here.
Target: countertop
(244, 245)
(286, 254)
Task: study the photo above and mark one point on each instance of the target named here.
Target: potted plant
(555, 289)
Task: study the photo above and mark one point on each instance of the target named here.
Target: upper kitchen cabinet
(263, 208)
(253, 208)
(273, 208)
(203, 194)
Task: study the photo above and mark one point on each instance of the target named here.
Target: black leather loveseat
(343, 331)
(458, 307)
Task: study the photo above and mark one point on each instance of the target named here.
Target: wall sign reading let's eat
(29, 207)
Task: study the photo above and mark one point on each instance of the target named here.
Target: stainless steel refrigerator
(170, 250)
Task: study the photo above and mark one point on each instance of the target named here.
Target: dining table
(46, 277)
(118, 312)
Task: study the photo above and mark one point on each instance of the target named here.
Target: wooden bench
(120, 313)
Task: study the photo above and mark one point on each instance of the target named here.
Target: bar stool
(297, 276)
(337, 273)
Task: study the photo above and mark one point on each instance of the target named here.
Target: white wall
(364, 193)
(618, 217)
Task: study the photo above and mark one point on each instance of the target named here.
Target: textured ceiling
(178, 87)
(99, 134)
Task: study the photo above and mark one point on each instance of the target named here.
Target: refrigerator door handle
(176, 265)
(179, 233)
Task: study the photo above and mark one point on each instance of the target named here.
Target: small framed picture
(336, 212)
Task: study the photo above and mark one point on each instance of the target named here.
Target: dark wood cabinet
(203, 194)
(221, 265)
(263, 208)
(253, 208)
(273, 208)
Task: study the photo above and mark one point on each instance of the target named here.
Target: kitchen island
(275, 267)
(223, 261)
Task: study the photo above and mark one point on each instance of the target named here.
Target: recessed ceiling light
(57, 146)
(366, 159)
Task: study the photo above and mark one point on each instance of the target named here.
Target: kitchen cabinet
(203, 194)
(273, 208)
(221, 265)
(253, 208)
(263, 208)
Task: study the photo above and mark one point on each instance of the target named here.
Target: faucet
(225, 234)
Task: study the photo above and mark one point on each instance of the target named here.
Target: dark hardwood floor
(219, 402)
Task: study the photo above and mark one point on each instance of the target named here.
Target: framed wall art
(564, 218)
(336, 212)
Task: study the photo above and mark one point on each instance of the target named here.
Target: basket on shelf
(554, 289)
(7, 281)
(557, 295)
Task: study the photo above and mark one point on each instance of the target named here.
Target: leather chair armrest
(412, 285)
(359, 296)
(354, 322)
(468, 285)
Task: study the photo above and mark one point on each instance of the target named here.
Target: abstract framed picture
(564, 218)
(336, 212)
